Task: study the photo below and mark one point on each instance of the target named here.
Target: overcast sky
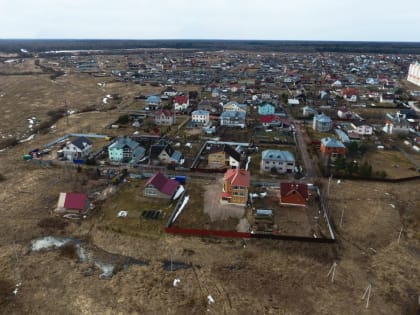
(366, 20)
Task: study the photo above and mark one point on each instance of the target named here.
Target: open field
(393, 162)
(263, 277)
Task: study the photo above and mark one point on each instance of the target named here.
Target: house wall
(151, 191)
(165, 158)
(239, 194)
(115, 154)
(217, 159)
(280, 165)
(71, 152)
(332, 150)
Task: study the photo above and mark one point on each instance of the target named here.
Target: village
(228, 145)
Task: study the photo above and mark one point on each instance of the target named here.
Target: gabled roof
(237, 177)
(165, 112)
(157, 148)
(165, 185)
(181, 99)
(76, 201)
(332, 143)
(269, 118)
(226, 149)
(81, 142)
(323, 118)
(122, 142)
(200, 112)
(277, 155)
(299, 189)
(153, 99)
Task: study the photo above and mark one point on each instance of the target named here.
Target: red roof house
(235, 186)
(160, 186)
(294, 193)
(72, 202)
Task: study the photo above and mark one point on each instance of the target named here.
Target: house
(272, 121)
(200, 117)
(77, 149)
(295, 194)
(125, 150)
(235, 186)
(350, 94)
(342, 136)
(281, 161)
(162, 152)
(223, 155)
(309, 111)
(234, 106)
(164, 117)
(322, 123)
(266, 109)
(209, 106)
(387, 98)
(181, 103)
(292, 101)
(397, 126)
(332, 147)
(169, 91)
(153, 102)
(345, 113)
(72, 203)
(159, 186)
(233, 119)
(361, 128)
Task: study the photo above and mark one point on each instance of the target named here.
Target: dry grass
(394, 163)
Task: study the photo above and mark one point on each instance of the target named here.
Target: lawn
(130, 198)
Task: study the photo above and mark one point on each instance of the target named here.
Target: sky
(355, 20)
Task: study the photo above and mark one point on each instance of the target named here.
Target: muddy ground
(262, 277)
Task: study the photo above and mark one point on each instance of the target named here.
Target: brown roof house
(295, 194)
(159, 186)
(235, 186)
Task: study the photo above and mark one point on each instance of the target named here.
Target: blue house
(322, 123)
(153, 102)
(266, 109)
(125, 150)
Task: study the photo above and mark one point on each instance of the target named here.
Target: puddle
(176, 265)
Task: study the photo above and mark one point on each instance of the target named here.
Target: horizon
(301, 20)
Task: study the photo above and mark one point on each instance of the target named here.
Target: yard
(130, 198)
(204, 209)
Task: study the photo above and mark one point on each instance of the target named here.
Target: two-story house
(233, 119)
(153, 102)
(125, 150)
(281, 161)
(181, 103)
(200, 117)
(162, 152)
(235, 186)
(165, 117)
(266, 109)
(322, 123)
(332, 147)
(77, 149)
(223, 155)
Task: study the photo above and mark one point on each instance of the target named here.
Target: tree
(365, 170)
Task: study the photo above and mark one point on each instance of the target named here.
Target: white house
(181, 103)
(362, 129)
(282, 161)
(200, 117)
(77, 149)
